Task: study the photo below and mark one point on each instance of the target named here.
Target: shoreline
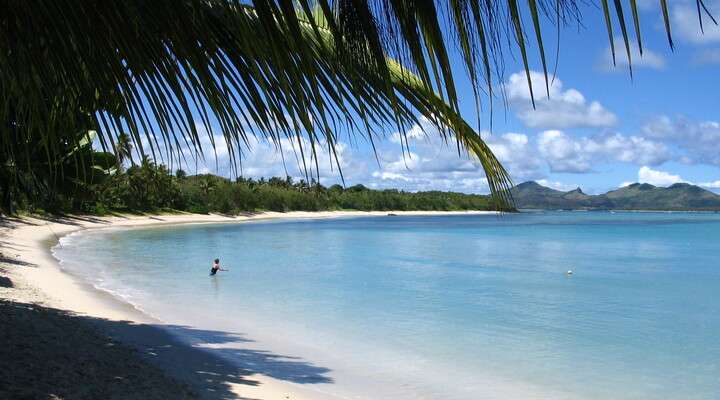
(40, 280)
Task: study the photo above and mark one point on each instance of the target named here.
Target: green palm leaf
(169, 72)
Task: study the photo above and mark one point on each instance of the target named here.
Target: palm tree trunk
(6, 207)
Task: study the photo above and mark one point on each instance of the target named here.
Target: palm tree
(207, 186)
(123, 149)
(283, 69)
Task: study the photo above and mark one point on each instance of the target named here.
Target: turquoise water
(450, 307)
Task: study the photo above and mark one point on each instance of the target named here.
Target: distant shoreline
(634, 197)
(28, 240)
(617, 210)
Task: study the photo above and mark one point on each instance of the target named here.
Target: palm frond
(666, 20)
(171, 73)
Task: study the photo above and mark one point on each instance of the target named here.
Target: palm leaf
(666, 20)
(175, 73)
(608, 26)
(636, 24)
(623, 29)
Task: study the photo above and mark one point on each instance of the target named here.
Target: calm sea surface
(451, 307)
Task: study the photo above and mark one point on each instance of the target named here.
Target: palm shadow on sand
(215, 362)
(39, 338)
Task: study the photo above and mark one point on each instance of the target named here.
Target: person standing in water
(216, 267)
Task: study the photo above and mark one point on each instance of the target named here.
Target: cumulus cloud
(423, 162)
(657, 178)
(648, 59)
(414, 133)
(686, 26)
(565, 153)
(711, 185)
(264, 159)
(516, 153)
(699, 141)
(664, 178)
(564, 187)
(432, 164)
(428, 164)
(428, 168)
(565, 108)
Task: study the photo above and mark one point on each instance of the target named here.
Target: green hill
(678, 197)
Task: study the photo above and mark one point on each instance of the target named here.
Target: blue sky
(598, 130)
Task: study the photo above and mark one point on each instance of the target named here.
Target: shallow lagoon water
(448, 307)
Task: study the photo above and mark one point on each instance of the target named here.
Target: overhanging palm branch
(162, 69)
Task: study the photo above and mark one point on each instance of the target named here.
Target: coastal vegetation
(146, 186)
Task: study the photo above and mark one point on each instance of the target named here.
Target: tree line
(97, 183)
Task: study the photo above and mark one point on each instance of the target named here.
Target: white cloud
(685, 22)
(264, 160)
(698, 140)
(661, 127)
(564, 187)
(517, 155)
(657, 178)
(712, 185)
(565, 153)
(261, 158)
(649, 59)
(663, 178)
(414, 133)
(563, 109)
(429, 163)
(629, 149)
(432, 164)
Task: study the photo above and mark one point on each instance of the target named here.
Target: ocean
(428, 307)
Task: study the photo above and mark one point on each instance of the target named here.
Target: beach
(118, 336)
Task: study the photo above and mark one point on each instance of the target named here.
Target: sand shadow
(117, 215)
(11, 260)
(74, 220)
(6, 282)
(209, 372)
(213, 356)
(11, 222)
(249, 214)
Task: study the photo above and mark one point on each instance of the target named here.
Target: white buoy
(569, 272)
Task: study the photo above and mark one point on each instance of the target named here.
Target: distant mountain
(680, 196)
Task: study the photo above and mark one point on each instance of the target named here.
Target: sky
(598, 130)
